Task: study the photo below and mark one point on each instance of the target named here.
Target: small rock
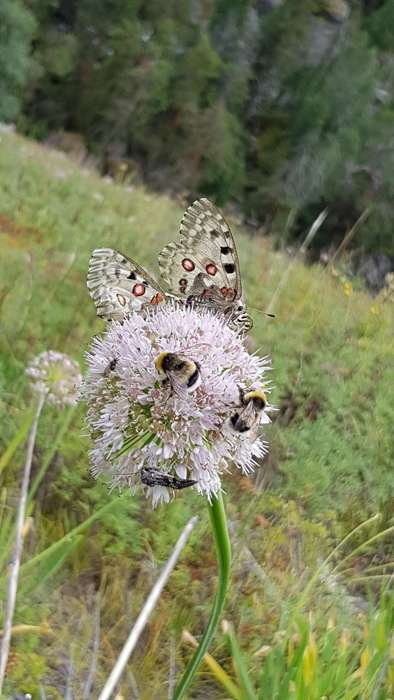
(374, 268)
(7, 128)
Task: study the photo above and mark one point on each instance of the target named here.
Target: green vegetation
(311, 659)
(17, 27)
(329, 469)
(285, 107)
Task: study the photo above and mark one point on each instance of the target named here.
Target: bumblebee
(154, 477)
(179, 371)
(252, 404)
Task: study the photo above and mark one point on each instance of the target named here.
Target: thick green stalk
(218, 519)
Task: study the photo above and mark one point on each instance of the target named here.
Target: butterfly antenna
(260, 311)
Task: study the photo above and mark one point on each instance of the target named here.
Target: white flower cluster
(57, 376)
(138, 423)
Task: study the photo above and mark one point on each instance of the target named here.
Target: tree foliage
(16, 33)
(286, 107)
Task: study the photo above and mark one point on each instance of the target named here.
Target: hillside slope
(330, 346)
(331, 444)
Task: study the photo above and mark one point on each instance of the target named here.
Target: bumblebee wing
(249, 412)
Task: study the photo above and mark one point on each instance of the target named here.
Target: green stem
(218, 519)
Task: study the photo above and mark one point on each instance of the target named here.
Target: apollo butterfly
(202, 268)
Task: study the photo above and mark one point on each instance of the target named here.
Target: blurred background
(114, 116)
(281, 107)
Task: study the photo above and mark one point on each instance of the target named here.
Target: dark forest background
(282, 107)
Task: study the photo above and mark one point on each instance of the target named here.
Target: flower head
(143, 421)
(57, 376)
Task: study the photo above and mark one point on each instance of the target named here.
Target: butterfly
(202, 268)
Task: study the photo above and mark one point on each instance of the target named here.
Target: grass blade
(220, 674)
(17, 440)
(15, 565)
(248, 692)
(145, 613)
(66, 420)
(42, 556)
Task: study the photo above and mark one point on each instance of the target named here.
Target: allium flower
(137, 421)
(56, 375)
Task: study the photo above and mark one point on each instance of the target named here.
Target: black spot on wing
(229, 267)
(132, 276)
(225, 250)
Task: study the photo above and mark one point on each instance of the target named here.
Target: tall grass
(317, 658)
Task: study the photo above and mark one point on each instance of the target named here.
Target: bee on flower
(163, 389)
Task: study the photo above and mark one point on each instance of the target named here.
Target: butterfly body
(202, 268)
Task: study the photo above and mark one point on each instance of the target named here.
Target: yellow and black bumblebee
(179, 371)
(182, 375)
(251, 405)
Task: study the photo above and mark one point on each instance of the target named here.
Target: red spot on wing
(211, 269)
(229, 293)
(157, 299)
(188, 265)
(138, 290)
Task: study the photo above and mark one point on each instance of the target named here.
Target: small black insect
(110, 367)
(154, 477)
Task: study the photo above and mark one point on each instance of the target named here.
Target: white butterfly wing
(118, 285)
(205, 258)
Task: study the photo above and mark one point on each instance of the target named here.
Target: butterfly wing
(118, 285)
(205, 261)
